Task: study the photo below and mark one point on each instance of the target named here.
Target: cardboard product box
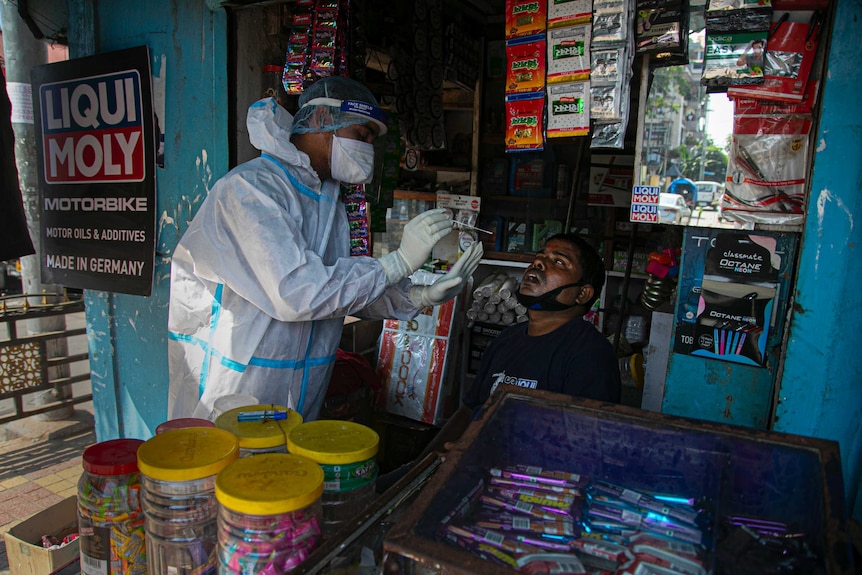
(527, 176)
(412, 362)
(541, 232)
(611, 179)
(621, 259)
(494, 176)
(516, 237)
(24, 541)
(495, 224)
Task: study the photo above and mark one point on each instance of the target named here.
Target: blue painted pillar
(821, 389)
(128, 334)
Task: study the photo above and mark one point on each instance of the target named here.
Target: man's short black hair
(591, 263)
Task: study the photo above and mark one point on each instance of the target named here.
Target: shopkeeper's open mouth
(534, 277)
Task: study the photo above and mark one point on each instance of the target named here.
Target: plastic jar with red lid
(110, 518)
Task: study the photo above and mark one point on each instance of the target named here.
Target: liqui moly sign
(97, 171)
(93, 129)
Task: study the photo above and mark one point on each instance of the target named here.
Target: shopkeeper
(262, 279)
(556, 350)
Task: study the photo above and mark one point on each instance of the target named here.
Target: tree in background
(688, 160)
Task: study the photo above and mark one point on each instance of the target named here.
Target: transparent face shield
(342, 113)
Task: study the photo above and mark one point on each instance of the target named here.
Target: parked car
(672, 209)
(708, 194)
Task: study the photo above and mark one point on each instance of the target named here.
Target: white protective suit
(262, 280)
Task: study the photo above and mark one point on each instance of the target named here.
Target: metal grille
(20, 367)
(29, 364)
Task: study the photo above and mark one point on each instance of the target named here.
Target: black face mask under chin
(547, 301)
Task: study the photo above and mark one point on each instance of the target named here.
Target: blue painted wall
(128, 334)
(821, 389)
(717, 391)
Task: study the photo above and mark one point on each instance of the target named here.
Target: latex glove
(420, 236)
(451, 284)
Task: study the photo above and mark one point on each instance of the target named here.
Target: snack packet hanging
(326, 19)
(568, 53)
(323, 38)
(527, 65)
(568, 12)
(610, 22)
(525, 17)
(612, 50)
(607, 65)
(605, 100)
(738, 16)
(660, 26)
(524, 119)
(302, 19)
(322, 62)
(608, 134)
(568, 109)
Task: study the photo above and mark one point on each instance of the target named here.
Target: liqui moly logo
(93, 129)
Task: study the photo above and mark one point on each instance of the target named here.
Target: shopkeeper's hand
(450, 284)
(420, 236)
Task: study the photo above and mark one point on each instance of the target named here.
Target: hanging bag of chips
(524, 121)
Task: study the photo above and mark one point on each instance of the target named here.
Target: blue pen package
(733, 321)
(646, 502)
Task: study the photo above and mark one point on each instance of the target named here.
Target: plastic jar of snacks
(269, 513)
(182, 423)
(110, 519)
(178, 470)
(228, 402)
(259, 428)
(346, 452)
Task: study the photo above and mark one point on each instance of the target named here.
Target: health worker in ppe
(262, 279)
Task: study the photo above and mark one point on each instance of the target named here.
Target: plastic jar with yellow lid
(259, 428)
(269, 513)
(178, 470)
(346, 452)
(228, 402)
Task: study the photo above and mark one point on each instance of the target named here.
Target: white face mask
(352, 161)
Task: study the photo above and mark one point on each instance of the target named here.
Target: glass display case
(735, 479)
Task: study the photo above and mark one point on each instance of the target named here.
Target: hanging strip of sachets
(768, 163)
(612, 54)
(792, 46)
(526, 69)
(357, 219)
(736, 43)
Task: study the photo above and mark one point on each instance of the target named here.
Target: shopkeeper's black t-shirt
(575, 359)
